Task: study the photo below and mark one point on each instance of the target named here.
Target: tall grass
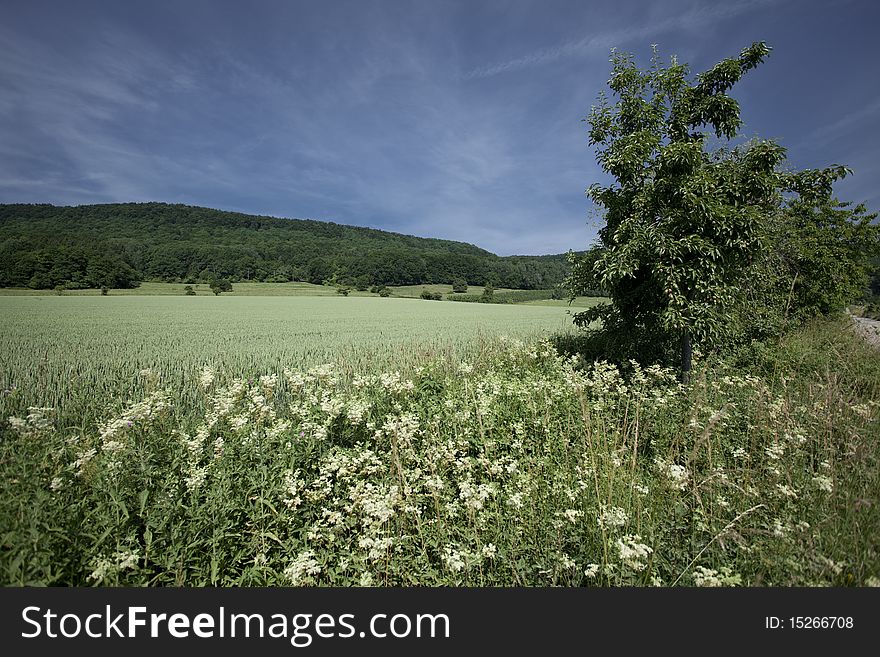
(514, 466)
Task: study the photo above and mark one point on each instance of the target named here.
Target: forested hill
(117, 245)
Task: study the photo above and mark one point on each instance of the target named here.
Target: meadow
(245, 441)
(77, 353)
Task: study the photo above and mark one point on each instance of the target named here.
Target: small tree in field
(683, 223)
(219, 285)
(459, 285)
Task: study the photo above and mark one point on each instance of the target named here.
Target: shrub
(219, 285)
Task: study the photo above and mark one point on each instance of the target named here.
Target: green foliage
(219, 285)
(683, 224)
(384, 292)
(815, 262)
(874, 277)
(508, 296)
(189, 291)
(826, 248)
(343, 290)
(459, 286)
(430, 296)
(117, 245)
(104, 290)
(488, 293)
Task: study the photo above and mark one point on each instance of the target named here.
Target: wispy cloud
(349, 113)
(849, 122)
(696, 17)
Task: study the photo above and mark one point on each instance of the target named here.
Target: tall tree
(683, 220)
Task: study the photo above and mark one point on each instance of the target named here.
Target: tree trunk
(686, 356)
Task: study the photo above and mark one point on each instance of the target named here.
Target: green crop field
(81, 351)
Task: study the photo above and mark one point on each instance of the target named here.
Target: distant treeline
(520, 296)
(512, 296)
(118, 245)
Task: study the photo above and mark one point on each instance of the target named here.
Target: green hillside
(117, 245)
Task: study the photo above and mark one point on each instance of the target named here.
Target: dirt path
(869, 329)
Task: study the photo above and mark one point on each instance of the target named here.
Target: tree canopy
(42, 246)
(686, 220)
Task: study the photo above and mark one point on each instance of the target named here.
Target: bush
(104, 290)
(430, 296)
(459, 285)
(189, 291)
(510, 296)
(343, 291)
(384, 292)
(219, 285)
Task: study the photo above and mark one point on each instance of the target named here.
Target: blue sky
(459, 120)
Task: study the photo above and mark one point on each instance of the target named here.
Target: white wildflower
(612, 517)
(516, 500)
(779, 528)
(775, 451)
(786, 490)
(206, 377)
(740, 454)
(453, 558)
(823, 483)
(566, 562)
(632, 552)
(591, 570)
(303, 568)
(713, 578)
(571, 514)
(18, 424)
(676, 474)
